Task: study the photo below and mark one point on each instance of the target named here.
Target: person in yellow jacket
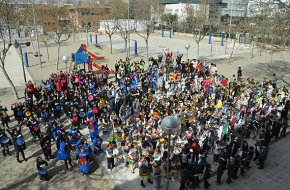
(219, 104)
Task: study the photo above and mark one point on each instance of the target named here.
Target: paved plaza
(24, 175)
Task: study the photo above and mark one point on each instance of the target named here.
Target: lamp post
(65, 59)
(18, 45)
(187, 46)
(170, 126)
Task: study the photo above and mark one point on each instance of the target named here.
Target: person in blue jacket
(98, 144)
(64, 150)
(41, 169)
(5, 142)
(84, 143)
(74, 134)
(83, 160)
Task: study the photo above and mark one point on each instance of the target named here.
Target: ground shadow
(280, 68)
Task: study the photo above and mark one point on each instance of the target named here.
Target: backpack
(4, 115)
(57, 107)
(19, 112)
(45, 114)
(20, 141)
(36, 128)
(75, 119)
(96, 110)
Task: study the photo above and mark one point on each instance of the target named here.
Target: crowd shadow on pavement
(23, 183)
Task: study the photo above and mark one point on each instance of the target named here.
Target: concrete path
(13, 67)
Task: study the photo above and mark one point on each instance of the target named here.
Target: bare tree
(8, 22)
(144, 11)
(111, 24)
(26, 21)
(59, 32)
(198, 21)
(268, 24)
(46, 39)
(110, 29)
(282, 3)
(119, 12)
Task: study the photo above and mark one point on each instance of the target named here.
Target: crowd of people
(122, 117)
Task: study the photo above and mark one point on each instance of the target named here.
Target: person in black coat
(206, 176)
(221, 167)
(263, 156)
(183, 176)
(45, 144)
(18, 142)
(230, 170)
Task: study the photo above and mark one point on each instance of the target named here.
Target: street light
(18, 45)
(170, 126)
(65, 59)
(187, 46)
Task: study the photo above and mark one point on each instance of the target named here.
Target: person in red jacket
(30, 89)
(224, 82)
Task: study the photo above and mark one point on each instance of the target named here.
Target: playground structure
(83, 56)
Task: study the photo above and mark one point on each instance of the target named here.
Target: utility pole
(36, 34)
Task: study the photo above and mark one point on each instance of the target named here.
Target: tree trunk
(87, 36)
(252, 49)
(197, 43)
(147, 51)
(10, 82)
(30, 38)
(57, 59)
(111, 44)
(232, 53)
(237, 37)
(233, 49)
(126, 43)
(47, 52)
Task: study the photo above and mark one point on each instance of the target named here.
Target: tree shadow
(266, 70)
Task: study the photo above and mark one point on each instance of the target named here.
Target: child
(83, 158)
(145, 170)
(97, 141)
(157, 174)
(41, 168)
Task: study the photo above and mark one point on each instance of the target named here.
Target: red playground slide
(94, 57)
